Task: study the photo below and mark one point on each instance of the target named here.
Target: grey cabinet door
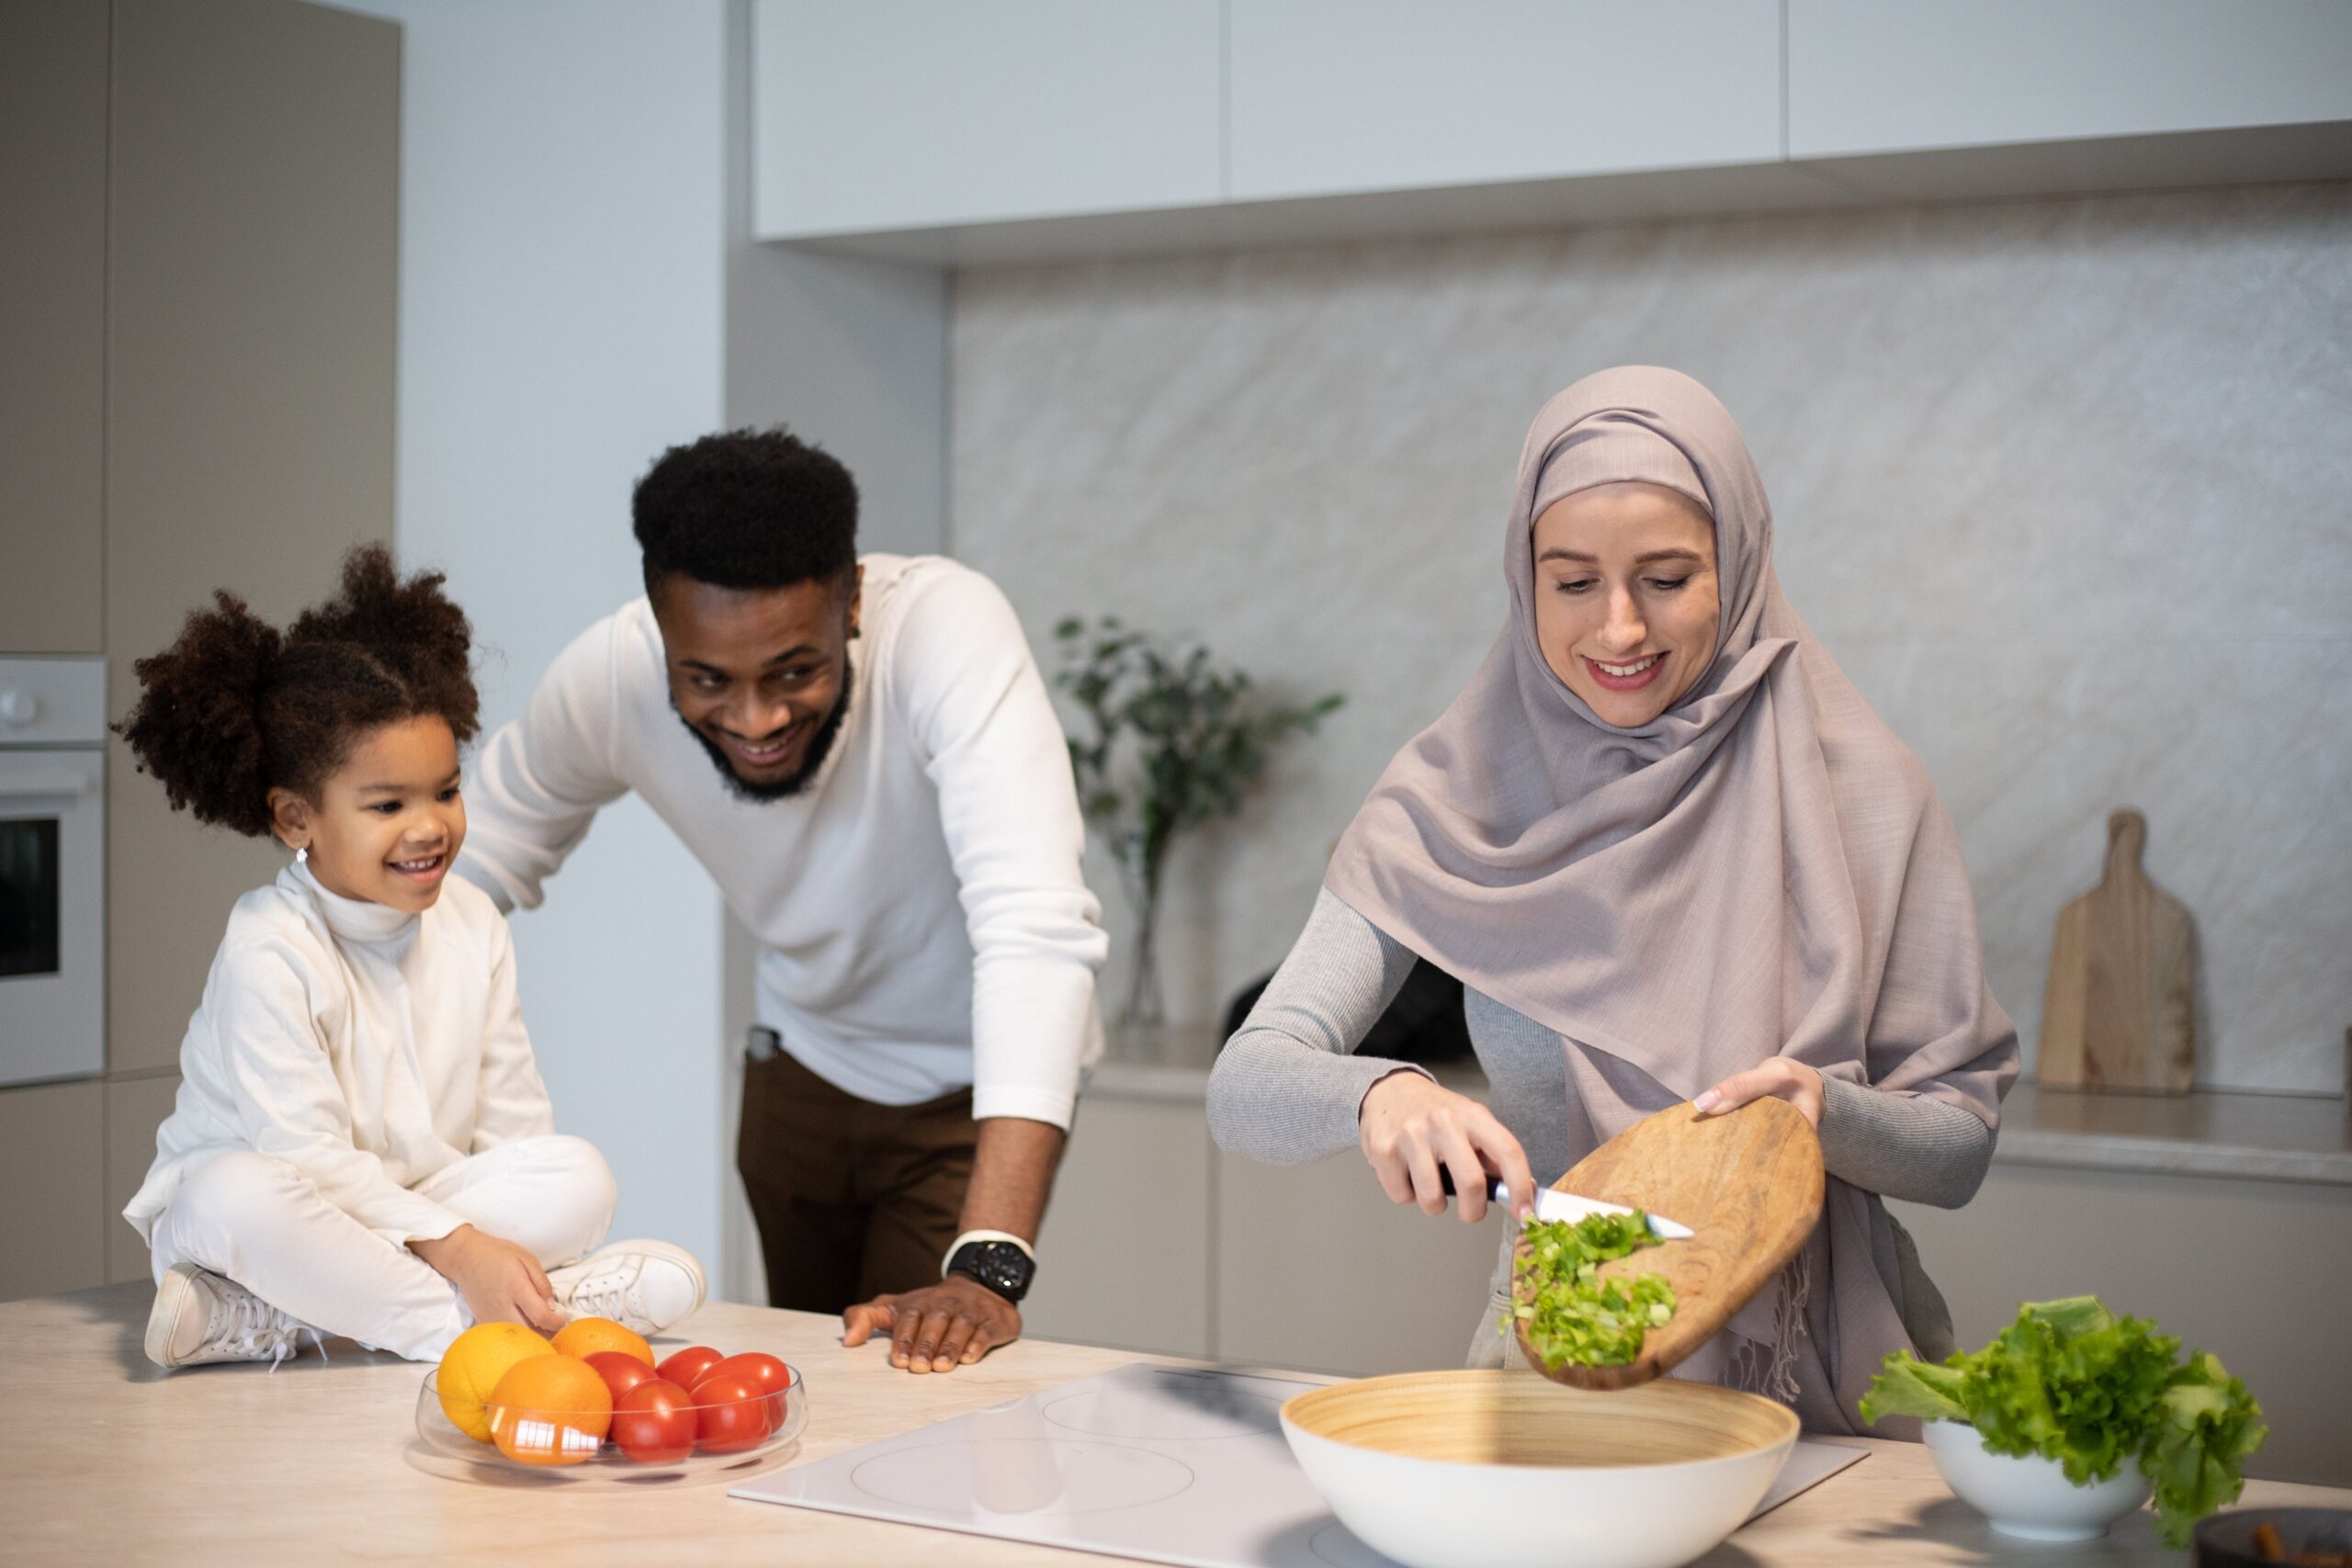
(1867, 77)
(52, 1166)
(53, 323)
(254, 205)
(1334, 95)
(912, 113)
(1124, 1257)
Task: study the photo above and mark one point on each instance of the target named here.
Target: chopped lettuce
(2073, 1382)
(1571, 1314)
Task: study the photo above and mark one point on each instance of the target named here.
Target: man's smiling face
(760, 676)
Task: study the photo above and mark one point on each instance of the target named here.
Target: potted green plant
(1169, 740)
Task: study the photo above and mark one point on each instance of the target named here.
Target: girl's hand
(501, 1282)
(1783, 1077)
(1408, 1127)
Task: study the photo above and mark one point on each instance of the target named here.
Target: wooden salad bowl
(1748, 1184)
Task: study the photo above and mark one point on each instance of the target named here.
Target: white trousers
(260, 1222)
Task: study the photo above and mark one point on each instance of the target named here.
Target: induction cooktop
(1168, 1464)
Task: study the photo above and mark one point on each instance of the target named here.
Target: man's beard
(819, 745)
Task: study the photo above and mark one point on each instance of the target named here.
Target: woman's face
(1625, 597)
(388, 824)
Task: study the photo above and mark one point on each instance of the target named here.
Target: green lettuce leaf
(1907, 1386)
(2071, 1382)
(2205, 1426)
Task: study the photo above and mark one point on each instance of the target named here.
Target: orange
(550, 1410)
(471, 1367)
(583, 1336)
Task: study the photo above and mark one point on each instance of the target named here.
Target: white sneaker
(644, 1286)
(201, 1317)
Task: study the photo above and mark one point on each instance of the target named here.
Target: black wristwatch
(1001, 1266)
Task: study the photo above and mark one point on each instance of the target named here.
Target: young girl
(362, 1144)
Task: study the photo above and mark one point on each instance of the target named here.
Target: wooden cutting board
(1749, 1185)
(2120, 1014)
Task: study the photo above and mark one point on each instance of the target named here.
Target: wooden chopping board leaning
(1747, 1183)
(2120, 1012)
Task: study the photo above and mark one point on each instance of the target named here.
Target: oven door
(53, 915)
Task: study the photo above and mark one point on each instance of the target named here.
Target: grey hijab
(1761, 870)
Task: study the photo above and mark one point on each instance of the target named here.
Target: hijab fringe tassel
(1770, 1370)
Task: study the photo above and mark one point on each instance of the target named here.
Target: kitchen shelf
(2264, 1138)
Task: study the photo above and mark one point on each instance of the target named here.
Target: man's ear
(289, 819)
(857, 597)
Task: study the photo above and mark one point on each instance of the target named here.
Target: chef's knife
(1551, 1204)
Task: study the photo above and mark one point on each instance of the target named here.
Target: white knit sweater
(921, 917)
(367, 1047)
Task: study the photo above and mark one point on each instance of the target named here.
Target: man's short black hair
(747, 509)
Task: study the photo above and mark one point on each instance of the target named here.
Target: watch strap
(957, 1245)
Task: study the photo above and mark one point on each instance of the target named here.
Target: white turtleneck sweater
(922, 922)
(369, 1048)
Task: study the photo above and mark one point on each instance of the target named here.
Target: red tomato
(771, 1375)
(734, 1414)
(685, 1368)
(654, 1422)
(621, 1370)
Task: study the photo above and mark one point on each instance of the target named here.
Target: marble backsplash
(2065, 486)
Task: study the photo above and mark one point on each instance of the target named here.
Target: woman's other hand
(501, 1282)
(1410, 1127)
(1783, 1077)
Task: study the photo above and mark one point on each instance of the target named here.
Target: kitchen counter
(104, 1459)
(2263, 1137)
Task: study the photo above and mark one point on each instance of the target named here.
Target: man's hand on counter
(957, 1321)
(937, 1328)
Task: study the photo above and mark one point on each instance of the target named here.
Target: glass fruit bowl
(681, 1445)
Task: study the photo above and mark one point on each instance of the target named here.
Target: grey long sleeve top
(1287, 1087)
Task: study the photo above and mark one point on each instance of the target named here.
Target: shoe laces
(249, 1327)
(608, 1292)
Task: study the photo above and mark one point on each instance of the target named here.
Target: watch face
(1000, 1266)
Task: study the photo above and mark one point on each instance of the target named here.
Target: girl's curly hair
(235, 708)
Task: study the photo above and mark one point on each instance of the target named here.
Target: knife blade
(1551, 1204)
(1554, 1205)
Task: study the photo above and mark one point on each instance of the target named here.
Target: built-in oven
(52, 869)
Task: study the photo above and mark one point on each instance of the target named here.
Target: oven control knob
(18, 708)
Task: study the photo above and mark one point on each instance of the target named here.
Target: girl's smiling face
(387, 823)
(1626, 603)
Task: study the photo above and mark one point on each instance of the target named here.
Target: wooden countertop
(104, 1459)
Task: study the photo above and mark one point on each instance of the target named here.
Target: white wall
(851, 354)
(561, 318)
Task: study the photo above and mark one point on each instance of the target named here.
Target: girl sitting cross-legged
(362, 1144)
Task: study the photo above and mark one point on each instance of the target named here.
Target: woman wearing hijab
(1673, 856)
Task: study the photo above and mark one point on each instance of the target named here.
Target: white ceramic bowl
(2031, 1497)
(1504, 1470)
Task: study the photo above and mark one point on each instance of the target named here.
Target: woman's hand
(501, 1282)
(1783, 1077)
(1408, 1127)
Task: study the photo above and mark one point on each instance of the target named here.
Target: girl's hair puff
(234, 709)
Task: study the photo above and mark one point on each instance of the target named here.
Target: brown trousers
(854, 1199)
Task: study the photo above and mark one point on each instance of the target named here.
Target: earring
(302, 854)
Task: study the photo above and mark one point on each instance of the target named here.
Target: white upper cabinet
(1331, 95)
(964, 131)
(880, 115)
(1866, 76)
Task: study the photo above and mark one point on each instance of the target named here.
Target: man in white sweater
(863, 755)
